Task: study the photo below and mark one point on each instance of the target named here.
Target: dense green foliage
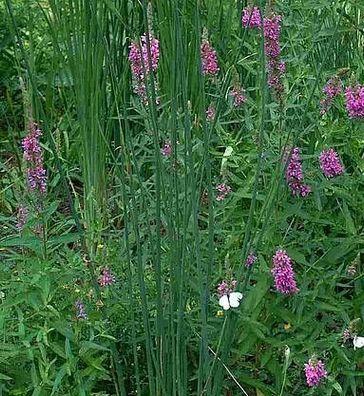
(114, 201)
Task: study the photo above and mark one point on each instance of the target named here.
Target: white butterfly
(231, 300)
(358, 342)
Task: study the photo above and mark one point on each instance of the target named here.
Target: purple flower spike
(210, 113)
(23, 214)
(239, 97)
(282, 271)
(223, 191)
(226, 287)
(139, 57)
(80, 310)
(332, 89)
(315, 372)
(276, 67)
(355, 101)
(330, 163)
(250, 260)
(141, 62)
(106, 278)
(251, 17)
(36, 174)
(166, 150)
(294, 175)
(210, 66)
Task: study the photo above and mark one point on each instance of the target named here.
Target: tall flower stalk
(331, 90)
(275, 66)
(294, 175)
(36, 174)
(284, 277)
(330, 163)
(251, 17)
(354, 97)
(142, 64)
(210, 66)
(315, 372)
(36, 177)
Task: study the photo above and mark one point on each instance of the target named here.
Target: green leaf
(64, 329)
(328, 307)
(67, 238)
(88, 345)
(58, 380)
(297, 256)
(16, 301)
(58, 350)
(30, 242)
(5, 377)
(37, 391)
(349, 220)
(337, 387)
(68, 349)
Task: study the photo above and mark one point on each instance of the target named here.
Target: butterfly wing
(358, 342)
(224, 302)
(234, 299)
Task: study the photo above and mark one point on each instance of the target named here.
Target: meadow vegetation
(181, 197)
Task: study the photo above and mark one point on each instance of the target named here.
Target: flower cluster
(355, 101)
(283, 273)
(139, 56)
(36, 174)
(251, 17)
(276, 67)
(250, 260)
(226, 287)
(238, 96)
(23, 214)
(106, 278)
(332, 89)
(330, 163)
(166, 150)
(315, 372)
(223, 190)
(210, 66)
(347, 335)
(80, 310)
(294, 175)
(142, 64)
(210, 113)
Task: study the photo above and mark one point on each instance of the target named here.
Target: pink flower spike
(251, 17)
(239, 97)
(139, 56)
(80, 310)
(354, 97)
(36, 174)
(223, 190)
(210, 113)
(23, 214)
(250, 260)
(210, 65)
(294, 175)
(166, 150)
(332, 89)
(141, 64)
(106, 278)
(315, 372)
(282, 271)
(330, 163)
(276, 67)
(226, 287)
